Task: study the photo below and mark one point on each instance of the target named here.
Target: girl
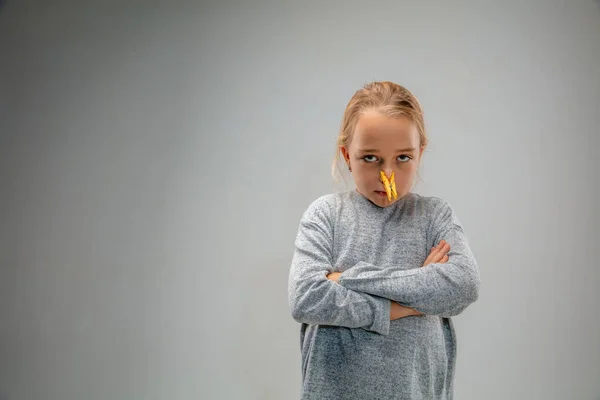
(375, 278)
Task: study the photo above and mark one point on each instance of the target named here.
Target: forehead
(375, 130)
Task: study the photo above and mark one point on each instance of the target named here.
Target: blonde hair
(386, 97)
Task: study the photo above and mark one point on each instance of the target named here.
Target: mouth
(381, 193)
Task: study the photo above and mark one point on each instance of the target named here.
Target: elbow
(306, 301)
(472, 289)
(297, 312)
(302, 311)
(294, 304)
(296, 300)
(469, 295)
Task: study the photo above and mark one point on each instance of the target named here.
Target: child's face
(382, 143)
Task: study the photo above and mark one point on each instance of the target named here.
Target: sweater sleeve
(313, 298)
(436, 289)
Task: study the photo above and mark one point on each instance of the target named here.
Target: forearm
(433, 290)
(316, 300)
(397, 311)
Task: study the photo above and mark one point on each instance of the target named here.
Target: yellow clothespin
(389, 184)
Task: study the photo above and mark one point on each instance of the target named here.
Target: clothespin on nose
(389, 184)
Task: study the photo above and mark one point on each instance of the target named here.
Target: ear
(345, 153)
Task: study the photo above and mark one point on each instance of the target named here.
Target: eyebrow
(375, 150)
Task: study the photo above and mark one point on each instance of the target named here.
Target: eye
(404, 158)
(369, 159)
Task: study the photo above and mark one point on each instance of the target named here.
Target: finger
(441, 260)
(438, 246)
(444, 249)
(447, 248)
(437, 253)
(441, 249)
(432, 259)
(441, 253)
(428, 260)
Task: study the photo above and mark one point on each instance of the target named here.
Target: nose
(388, 166)
(387, 171)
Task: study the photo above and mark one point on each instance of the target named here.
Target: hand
(438, 254)
(398, 311)
(334, 276)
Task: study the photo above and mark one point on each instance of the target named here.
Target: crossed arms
(368, 296)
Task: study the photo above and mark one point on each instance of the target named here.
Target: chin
(388, 203)
(382, 202)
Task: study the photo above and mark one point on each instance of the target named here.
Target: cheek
(364, 175)
(406, 175)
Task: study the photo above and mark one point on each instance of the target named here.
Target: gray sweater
(350, 348)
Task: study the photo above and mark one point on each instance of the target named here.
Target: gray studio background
(155, 160)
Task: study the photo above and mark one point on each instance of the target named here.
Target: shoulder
(320, 214)
(324, 206)
(430, 204)
(434, 208)
(440, 213)
(425, 205)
